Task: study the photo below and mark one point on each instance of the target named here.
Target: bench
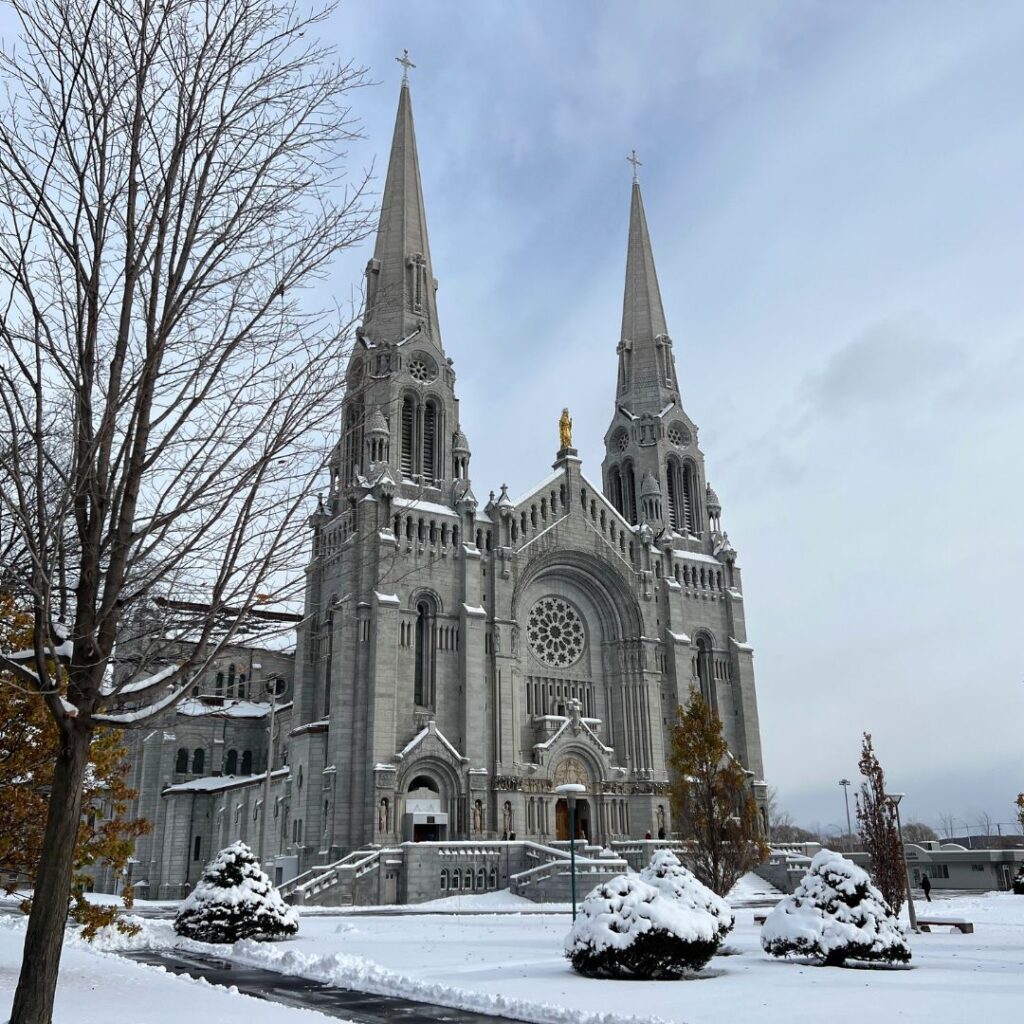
(927, 923)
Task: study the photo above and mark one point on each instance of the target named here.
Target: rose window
(678, 435)
(421, 369)
(622, 441)
(555, 631)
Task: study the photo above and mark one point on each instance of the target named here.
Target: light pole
(845, 783)
(570, 790)
(271, 685)
(894, 799)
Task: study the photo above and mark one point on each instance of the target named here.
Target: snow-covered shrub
(667, 874)
(835, 914)
(627, 928)
(1018, 882)
(235, 900)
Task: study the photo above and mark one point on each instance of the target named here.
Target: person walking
(926, 885)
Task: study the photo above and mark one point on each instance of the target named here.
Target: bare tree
(876, 816)
(947, 825)
(170, 185)
(986, 824)
(918, 832)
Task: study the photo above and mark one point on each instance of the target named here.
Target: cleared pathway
(362, 1007)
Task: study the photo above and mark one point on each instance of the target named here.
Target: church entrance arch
(572, 769)
(425, 819)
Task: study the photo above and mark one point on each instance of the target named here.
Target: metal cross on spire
(406, 64)
(632, 158)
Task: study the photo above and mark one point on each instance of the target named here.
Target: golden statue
(565, 429)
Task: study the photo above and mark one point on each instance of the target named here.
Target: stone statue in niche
(478, 817)
(507, 822)
(575, 709)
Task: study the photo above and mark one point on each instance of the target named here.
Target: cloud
(894, 360)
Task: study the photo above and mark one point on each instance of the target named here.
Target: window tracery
(555, 631)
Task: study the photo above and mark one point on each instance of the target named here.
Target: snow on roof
(697, 556)
(418, 505)
(232, 709)
(217, 783)
(740, 646)
(431, 727)
(386, 598)
(558, 474)
(680, 638)
(475, 610)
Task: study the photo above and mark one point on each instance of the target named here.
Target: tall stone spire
(400, 278)
(653, 469)
(643, 316)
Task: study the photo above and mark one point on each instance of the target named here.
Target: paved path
(362, 1007)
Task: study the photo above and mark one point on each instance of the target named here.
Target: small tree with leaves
(235, 900)
(28, 749)
(876, 817)
(712, 799)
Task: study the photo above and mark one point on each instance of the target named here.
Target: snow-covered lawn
(512, 964)
(104, 989)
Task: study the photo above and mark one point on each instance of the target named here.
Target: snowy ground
(511, 964)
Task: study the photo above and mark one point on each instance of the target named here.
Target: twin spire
(400, 277)
(401, 286)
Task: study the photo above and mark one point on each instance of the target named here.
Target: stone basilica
(459, 659)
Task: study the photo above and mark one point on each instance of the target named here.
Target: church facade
(460, 658)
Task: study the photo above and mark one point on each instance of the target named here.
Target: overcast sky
(835, 194)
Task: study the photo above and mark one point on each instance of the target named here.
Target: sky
(835, 202)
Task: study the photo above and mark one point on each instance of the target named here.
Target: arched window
(457, 878)
(247, 762)
(690, 518)
(615, 489)
(353, 439)
(198, 761)
(218, 688)
(231, 679)
(705, 671)
(481, 879)
(408, 436)
(675, 490)
(492, 879)
(231, 764)
(197, 848)
(444, 879)
(181, 761)
(425, 658)
(329, 660)
(629, 492)
(241, 685)
(431, 441)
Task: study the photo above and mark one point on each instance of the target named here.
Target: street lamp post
(894, 799)
(845, 783)
(570, 790)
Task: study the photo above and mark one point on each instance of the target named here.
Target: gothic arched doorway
(582, 820)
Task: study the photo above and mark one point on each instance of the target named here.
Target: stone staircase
(334, 885)
(548, 878)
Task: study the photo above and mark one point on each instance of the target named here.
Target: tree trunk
(33, 1000)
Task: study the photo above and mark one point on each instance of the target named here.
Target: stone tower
(401, 416)
(651, 443)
